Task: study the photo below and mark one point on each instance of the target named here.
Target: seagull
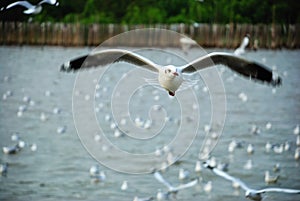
(3, 169)
(198, 167)
(251, 194)
(172, 189)
(124, 186)
(31, 9)
(170, 76)
(183, 174)
(296, 130)
(241, 50)
(11, 150)
(269, 179)
(186, 43)
(250, 149)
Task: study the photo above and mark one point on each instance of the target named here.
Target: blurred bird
(276, 167)
(97, 175)
(3, 169)
(198, 167)
(124, 186)
(250, 193)
(248, 165)
(250, 149)
(186, 43)
(297, 154)
(298, 140)
(11, 150)
(269, 179)
(31, 9)
(183, 174)
(207, 187)
(241, 50)
(268, 126)
(173, 189)
(296, 130)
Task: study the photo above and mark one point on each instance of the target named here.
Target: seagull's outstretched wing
(281, 190)
(187, 185)
(159, 178)
(105, 57)
(52, 2)
(20, 3)
(246, 68)
(228, 177)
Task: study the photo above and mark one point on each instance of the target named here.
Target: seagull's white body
(170, 76)
(31, 9)
(250, 193)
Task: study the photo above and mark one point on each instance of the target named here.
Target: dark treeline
(162, 11)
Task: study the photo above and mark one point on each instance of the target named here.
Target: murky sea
(36, 105)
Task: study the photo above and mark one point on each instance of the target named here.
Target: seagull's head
(171, 71)
(253, 196)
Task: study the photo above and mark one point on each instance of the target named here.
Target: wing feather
(159, 178)
(105, 57)
(282, 190)
(244, 67)
(20, 3)
(187, 185)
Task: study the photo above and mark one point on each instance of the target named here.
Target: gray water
(59, 168)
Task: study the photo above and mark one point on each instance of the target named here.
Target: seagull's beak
(175, 73)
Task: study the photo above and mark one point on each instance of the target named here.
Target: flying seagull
(172, 189)
(252, 194)
(170, 76)
(31, 9)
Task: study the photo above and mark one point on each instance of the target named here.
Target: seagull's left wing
(20, 3)
(187, 185)
(105, 57)
(281, 190)
(159, 178)
(244, 67)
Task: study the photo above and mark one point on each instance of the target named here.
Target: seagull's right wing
(20, 3)
(159, 178)
(105, 57)
(281, 190)
(52, 2)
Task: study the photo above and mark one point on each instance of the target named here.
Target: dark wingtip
(276, 82)
(206, 165)
(66, 67)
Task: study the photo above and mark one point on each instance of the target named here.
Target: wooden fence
(207, 35)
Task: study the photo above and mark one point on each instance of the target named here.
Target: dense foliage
(162, 11)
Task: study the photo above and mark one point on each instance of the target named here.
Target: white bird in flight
(172, 189)
(250, 193)
(170, 76)
(31, 9)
